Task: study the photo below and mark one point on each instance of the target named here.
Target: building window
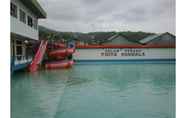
(18, 42)
(30, 21)
(19, 50)
(13, 10)
(22, 16)
(12, 48)
(35, 24)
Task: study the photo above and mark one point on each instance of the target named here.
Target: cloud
(109, 15)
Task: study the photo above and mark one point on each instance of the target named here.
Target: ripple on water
(96, 91)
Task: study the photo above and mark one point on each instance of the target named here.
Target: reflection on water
(96, 91)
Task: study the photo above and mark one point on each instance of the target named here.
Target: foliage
(49, 34)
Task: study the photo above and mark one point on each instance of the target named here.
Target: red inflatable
(62, 52)
(59, 64)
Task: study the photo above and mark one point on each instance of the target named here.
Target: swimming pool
(96, 91)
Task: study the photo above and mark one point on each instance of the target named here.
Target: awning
(35, 7)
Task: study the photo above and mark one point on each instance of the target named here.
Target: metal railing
(19, 59)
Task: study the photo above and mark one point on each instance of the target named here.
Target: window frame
(29, 21)
(19, 50)
(35, 23)
(22, 16)
(13, 10)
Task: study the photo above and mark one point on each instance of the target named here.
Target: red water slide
(39, 56)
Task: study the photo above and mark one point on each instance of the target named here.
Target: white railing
(22, 60)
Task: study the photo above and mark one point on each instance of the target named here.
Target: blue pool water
(96, 91)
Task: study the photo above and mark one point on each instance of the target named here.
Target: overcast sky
(110, 15)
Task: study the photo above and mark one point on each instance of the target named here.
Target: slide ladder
(39, 56)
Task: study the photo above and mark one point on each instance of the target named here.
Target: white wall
(21, 28)
(149, 53)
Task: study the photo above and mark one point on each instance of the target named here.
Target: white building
(24, 31)
(117, 49)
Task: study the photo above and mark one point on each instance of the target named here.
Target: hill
(91, 37)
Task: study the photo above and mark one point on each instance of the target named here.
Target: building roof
(103, 36)
(158, 39)
(122, 41)
(83, 37)
(35, 7)
(149, 38)
(135, 36)
(92, 37)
